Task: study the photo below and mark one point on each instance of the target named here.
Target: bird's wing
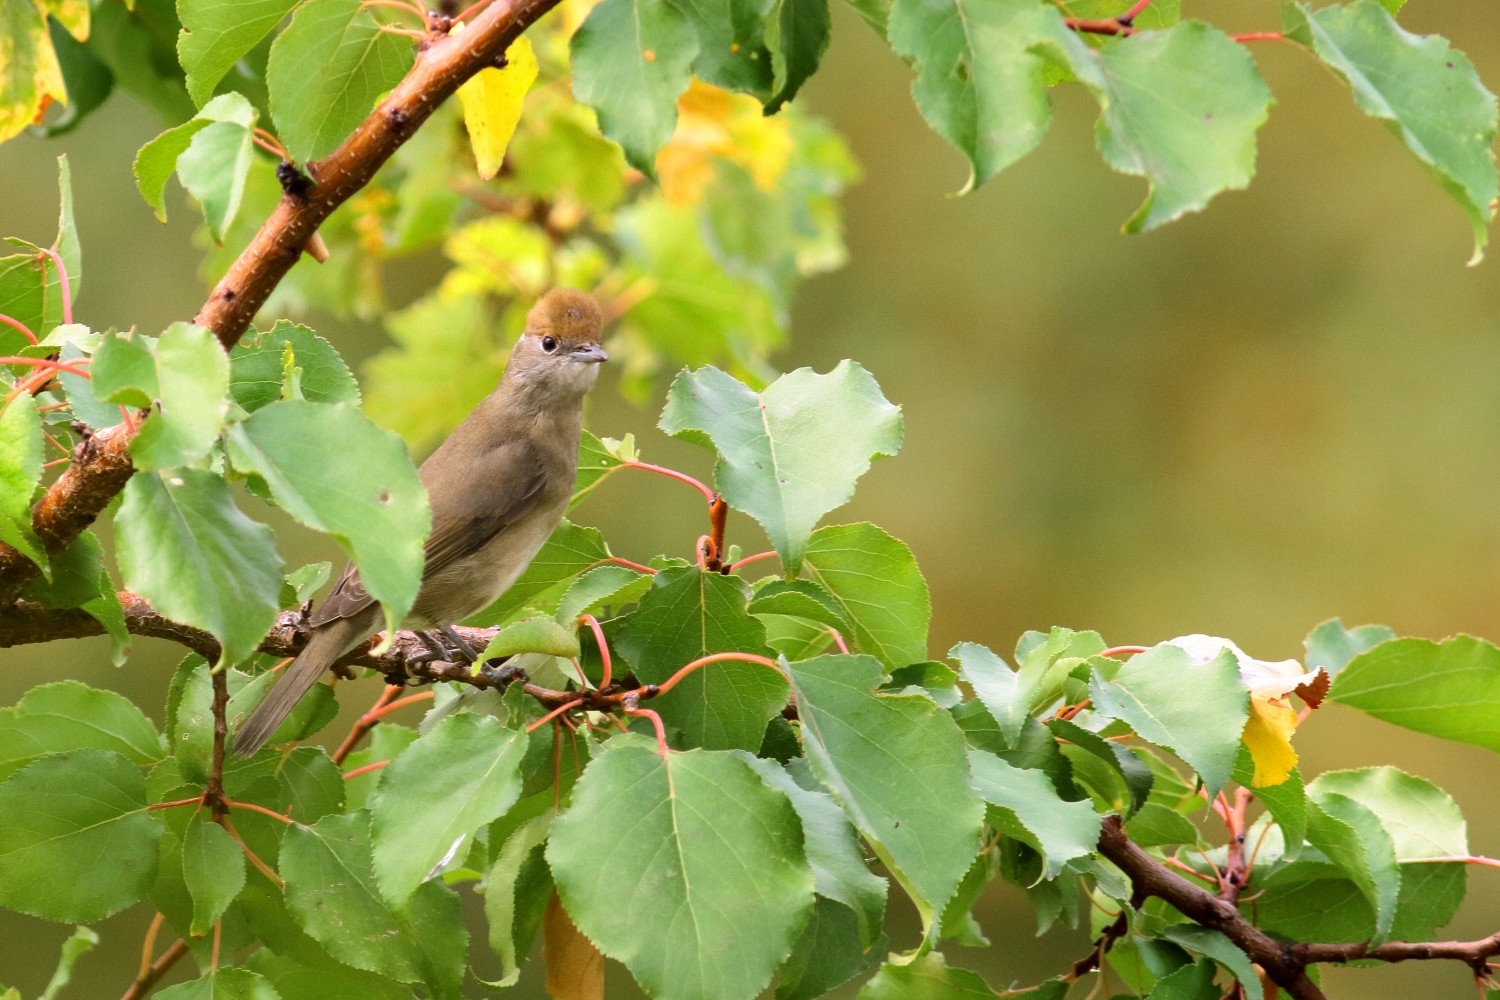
(500, 487)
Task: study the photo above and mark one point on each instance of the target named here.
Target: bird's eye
(549, 344)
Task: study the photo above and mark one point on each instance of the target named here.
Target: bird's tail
(327, 644)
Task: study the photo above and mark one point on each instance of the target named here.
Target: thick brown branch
(1474, 954)
(1149, 877)
(101, 465)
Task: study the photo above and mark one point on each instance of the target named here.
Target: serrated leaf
(257, 363)
(792, 453)
(184, 546)
(732, 49)
(330, 891)
(1449, 689)
(978, 84)
(799, 599)
(1157, 826)
(1331, 646)
(571, 550)
(1012, 695)
(1179, 107)
(517, 887)
(70, 715)
(603, 585)
(30, 77)
(873, 578)
(213, 867)
(326, 71)
(1425, 91)
(1219, 948)
(1060, 830)
(442, 788)
(1146, 694)
(631, 62)
(1286, 802)
(82, 812)
(908, 793)
(183, 376)
(597, 458)
(1134, 775)
(215, 36)
(535, 634)
(687, 614)
(828, 953)
(20, 472)
(334, 471)
(719, 867)
(491, 101)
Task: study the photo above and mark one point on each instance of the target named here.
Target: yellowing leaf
(712, 122)
(575, 969)
(492, 101)
(30, 77)
(1268, 737)
(573, 14)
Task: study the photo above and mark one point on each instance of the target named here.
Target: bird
(497, 487)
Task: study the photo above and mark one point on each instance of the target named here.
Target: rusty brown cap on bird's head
(567, 314)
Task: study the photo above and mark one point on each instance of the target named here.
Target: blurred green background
(1280, 410)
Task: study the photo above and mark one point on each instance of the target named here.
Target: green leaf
(517, 887)
(601, 586)
(926, 978)
(828, 953)
(1331, 646)
(797, 37)
(732, 51)
(82, 941)
(1011, 696)
(334, 471)
(1286, 802)
(330, 890)
(597, 458)
(70, 715)
(1179, 107)
(1449, 689)
(182, 375)
(792, 453)
(82, 814)
(184, 546)
(215, 36)
(535, 634)
(213, 866)
(257, 366)
(1146, 694)
(1157, 826)
(1353, 838)
(799, 599)
(76, 574)
(1034, 812)
(223, 984)
(326, 71)
(20, 472)
(978, 84)
(1134, 775)
(441, 789)
(1187, 982)
(838, 865)
(718, 869)
(217, 168)
(874, 580)
(687, 614)
(631, 61)
(1426, 92)
(908, 793)
(200, 561)
(1219, 948)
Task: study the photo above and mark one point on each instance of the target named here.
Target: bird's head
(559, 351)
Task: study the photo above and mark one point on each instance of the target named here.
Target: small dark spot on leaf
(385, 496)
(1208, 117)
(1450, 65)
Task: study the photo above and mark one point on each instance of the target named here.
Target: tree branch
(101, 464)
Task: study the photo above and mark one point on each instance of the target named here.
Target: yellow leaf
(1268, 737)
(492, 101)
(30, 77)
(712, 122)
(73, 15)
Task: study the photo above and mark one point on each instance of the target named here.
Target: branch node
(293, 181)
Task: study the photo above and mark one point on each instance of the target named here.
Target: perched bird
(497, 487)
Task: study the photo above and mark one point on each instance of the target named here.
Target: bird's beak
(591, 353)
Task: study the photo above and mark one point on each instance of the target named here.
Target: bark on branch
(101, 464)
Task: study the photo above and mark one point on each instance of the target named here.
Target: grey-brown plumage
(497, 487)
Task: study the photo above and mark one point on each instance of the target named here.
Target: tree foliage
(713, 769)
